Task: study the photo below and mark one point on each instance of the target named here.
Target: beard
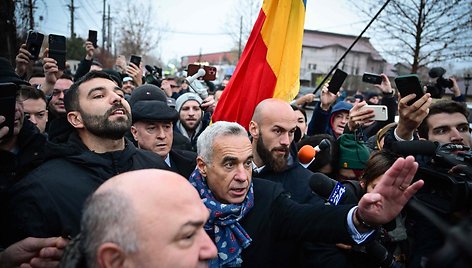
(277, 164)
(191, 128)
(102, 127)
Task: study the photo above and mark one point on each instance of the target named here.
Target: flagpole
(349, 49)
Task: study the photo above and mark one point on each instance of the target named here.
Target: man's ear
(75, 119)
(254, 130)
(110, 255)
(202, 166)
(134, 131)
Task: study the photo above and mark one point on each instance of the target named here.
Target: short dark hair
(442, 106)
(30, 92)
(71, 96)
(66, 76)
(296, 108)
(378, 163)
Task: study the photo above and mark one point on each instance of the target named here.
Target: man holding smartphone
(86, 63)
(359, 118)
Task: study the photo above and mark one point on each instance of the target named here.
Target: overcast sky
(194, 25)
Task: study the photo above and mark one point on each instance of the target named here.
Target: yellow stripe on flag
(282, 32)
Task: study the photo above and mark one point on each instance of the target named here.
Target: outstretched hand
(34, 252)
(391, 194)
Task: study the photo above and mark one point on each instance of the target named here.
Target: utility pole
(30, 14)
(103, 25)
(109, 31)
(240, 37)
(72, 9)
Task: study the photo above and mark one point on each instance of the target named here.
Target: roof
(213, 58)
(318, 39)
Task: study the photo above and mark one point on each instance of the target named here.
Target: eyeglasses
(174, 86)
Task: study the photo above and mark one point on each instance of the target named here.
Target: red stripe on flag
(252, 82)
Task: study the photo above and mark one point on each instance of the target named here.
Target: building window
(311, 66)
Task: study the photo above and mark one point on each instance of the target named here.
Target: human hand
(34, 252)
(455, 87)
(136, 73)
(22, 60)
(120, 63)
(3, 130)
(51, 71)
(385, 86)
(410, 117)
(358, 117)
(327, 98)
(305, 99)
(391, 194)
(89, 50)
(209, 104)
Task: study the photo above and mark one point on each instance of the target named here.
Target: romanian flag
(270, 63)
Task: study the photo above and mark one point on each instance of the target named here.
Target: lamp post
(467, 79)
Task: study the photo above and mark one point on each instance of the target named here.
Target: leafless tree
(137, 34)
(240, 20)
(422, 32)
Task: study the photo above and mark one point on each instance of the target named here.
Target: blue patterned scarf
(223, 225)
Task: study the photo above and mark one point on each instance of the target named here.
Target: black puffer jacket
(14, 166)
(48, 202)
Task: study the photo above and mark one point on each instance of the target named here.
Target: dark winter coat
(48, 202)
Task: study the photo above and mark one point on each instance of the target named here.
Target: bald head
(152, 182)
(269, 109)
(155, 210)
(272, 129)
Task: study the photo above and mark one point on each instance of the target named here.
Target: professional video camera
(437, 90)
(153, 75)
(446, 170)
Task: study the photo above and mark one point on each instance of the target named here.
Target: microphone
(201, 72)
(307, 153)
(415, 147)
(346, 192)
(197, 87)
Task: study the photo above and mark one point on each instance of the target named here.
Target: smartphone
(34, 41)
(337, 81)
(372, 78)
(7, 106)
(136, 60)
(92, 37)
(380, 112)
(57, 50)
(409, 84)
(210, 71)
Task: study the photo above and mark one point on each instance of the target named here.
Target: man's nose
(285, 139)
(208, 249)
(456, 135)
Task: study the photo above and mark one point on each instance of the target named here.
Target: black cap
(153, 110)
(149, 103)
(147, 92)
(7, 74)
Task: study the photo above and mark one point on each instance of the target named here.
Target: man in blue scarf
(248, 215)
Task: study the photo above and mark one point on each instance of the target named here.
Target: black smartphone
(34, 41)
(372, 78)
(92, 37)
(409, 84)
(57, 50)
(8, 93)
(337, 81)
(210, 71)
(136, 60)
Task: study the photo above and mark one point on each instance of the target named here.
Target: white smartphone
(380, 112)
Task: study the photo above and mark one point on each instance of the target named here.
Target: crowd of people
(107, 169)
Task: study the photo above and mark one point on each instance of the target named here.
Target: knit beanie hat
(186, 97)
(352, 153)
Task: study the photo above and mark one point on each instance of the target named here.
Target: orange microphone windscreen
(306, 154)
